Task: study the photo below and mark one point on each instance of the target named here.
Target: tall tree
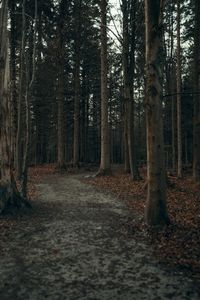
(21, 95)
(61, 51)
(196, 117)
(9, 195)
(30, 77)
(126, 88)
(131, 72)
(105, 151)
(78, 4)
(13, 69)
(156, 210)
(178, 89)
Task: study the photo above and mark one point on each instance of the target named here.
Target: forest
(101, 98)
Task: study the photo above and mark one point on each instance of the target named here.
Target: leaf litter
(177, 245)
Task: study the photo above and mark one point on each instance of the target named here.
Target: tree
(128, 61)
(9, 195)
(126, 88)
(178, 81)
(196, 117)
(156, 210)
(19, 146)
(60, 92)
(13, 47)
(78, 4)
(105, 152)
(30, 78)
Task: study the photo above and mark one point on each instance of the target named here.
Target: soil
(76, 244)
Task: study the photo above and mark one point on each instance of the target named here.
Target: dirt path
(75, 246)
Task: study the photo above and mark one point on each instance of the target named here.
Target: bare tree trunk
(172, 89)
(105, 153)
(131, 118)
(61, 49)
(29, 86)
(61, 140)
(126, 147)
(179, 129)
(9, 195)
(76, 146)
(173, 135)
(20, 99)
(126, 89)
(196, 117)
(128, 59)
(24, 176)
(13, 40)
(84, 116)
(156, 210)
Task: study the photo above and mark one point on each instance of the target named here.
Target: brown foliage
(177, 244)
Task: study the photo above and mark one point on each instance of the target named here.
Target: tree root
(10, 198)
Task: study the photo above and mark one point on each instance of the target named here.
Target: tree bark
(126, 87)
(30, 77)
(60, 119)
(9, 195)
(196, 117)
(156, 210)
(178, 82)
(13, 48)
(105, 153)
(135, 174)
(77, 84)
(20, 99)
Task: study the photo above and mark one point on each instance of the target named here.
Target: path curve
(75, 246)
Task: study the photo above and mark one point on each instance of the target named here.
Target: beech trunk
(196, 118)
(9, 195)
(178, 82)
(156, 210)
(105, 153)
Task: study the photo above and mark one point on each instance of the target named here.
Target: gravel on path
(75, 245)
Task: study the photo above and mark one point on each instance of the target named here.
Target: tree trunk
(9, 195)
(61, 140)
(126, 88)
(13, 41)
(156, 210)
(173, 135)
(131, 118)
(30, 77)
(196, 117)
(77, 84)
(60, 120)
(126, 147)
(20, 99)
(178, 81)
(105, 153)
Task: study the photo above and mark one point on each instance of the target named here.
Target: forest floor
(78, 242)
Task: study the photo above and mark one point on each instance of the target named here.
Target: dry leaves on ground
(177, 244)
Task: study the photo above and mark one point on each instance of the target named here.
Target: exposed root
(103, 172)
(10, 198)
